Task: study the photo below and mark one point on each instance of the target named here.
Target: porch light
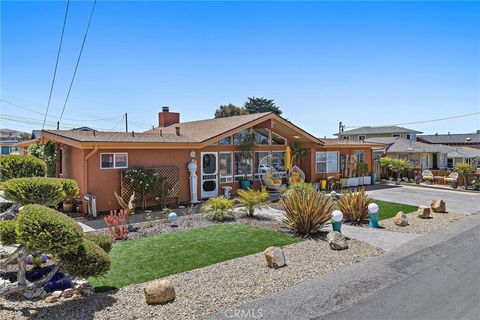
(373, 213)
(337, 218)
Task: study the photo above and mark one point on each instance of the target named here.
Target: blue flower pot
(245, 184)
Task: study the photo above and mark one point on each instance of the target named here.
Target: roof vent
(165, 109)
(177, 131)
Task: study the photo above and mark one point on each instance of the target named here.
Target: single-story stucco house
(97, 159)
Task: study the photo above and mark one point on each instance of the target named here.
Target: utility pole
(58, 125)
(126, 122)
(340, 129)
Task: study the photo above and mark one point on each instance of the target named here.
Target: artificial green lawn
(390, 209)
(150, 258)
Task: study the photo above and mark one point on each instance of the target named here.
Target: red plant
(116, 224)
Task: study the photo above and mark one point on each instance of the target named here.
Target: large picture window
(265, 165)
(114, 160)
(243, 167)
(238, 137)
(225, 141)
(327, 162)
(226, 167)
(277, 161)
(278, 140)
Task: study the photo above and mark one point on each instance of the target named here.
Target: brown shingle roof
(330, 142)
(190, 132)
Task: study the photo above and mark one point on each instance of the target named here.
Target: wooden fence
(169, 174)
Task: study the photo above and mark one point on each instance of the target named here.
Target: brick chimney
(167, 118)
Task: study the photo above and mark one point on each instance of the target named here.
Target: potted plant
(362, 173)
(464, 169)
(397, 166)
(246, 146)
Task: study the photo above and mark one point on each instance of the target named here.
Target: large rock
(337, 241)
(439, 206)
(34, 294)
(423, 212)
(68, 293)
(51, 299)
(401, 219)
(160, 291)
(275, 257)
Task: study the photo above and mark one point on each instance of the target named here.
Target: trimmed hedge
(39, 190)
(46, 230)
(8, 232)
(104, 241)
(88, 260)
(17, 166)
(45, 191)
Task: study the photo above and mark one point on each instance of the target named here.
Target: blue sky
(372, 63)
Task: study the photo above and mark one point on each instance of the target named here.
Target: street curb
(322, 295)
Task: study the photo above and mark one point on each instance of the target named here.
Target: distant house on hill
(454, 139)
(8, 140)
(363, 133)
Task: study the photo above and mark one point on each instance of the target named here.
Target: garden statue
(373, 213)
(192, 168)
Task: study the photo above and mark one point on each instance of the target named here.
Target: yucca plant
(251, 199)
(354, 206)
(306, 210)
(218, 209)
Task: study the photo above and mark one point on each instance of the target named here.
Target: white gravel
(423, 226)
(201, 291)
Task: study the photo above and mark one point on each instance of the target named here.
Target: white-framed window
(360, 156)
(346, 138)
(243, 167)
(278, 140)
(277, 161)
(259, 155)
(118, 160)
(262, 136)
(395, 135)
(326, 161)
(361, 138)
(226, 167)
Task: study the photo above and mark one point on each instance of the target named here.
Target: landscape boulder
(401, 219)
(34, 294)
(275, 257)
(68, 293)
(337, 241)
(160, 291)
(439, 206)
(51, 299)
(423, 212)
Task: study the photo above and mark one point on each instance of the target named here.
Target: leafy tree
(24, 136)
(464, 169)
(257, 105)
(229, 110)
(17, 166)
(46, 152)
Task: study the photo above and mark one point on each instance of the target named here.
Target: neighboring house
(8, 140)
(363, 133)
(422, 155)
(96, 159)
(454, 139)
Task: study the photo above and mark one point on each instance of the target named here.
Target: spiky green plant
(251, 199)
(464, 169)
(354, 205)
(306, 210)
(218, 209)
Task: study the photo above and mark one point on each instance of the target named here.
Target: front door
(209, 179)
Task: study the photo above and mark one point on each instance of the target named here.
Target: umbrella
(288, 159)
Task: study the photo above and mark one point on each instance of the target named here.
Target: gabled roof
(409, 146)
(464, 152)
(199, 133)
(378, 130)
(451, 138)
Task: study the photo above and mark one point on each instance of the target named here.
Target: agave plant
(354, 206)
(251, 199)
(218, 209)
(306, 210)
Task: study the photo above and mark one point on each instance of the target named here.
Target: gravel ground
(201, 291)
(422, 226)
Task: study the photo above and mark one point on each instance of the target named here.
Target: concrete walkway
(386, 240)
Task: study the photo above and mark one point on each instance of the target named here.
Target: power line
(423, 121)
(78, 60)
(56, 64)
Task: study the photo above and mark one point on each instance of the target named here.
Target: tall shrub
(251, 199)
(17, 166)
(143, 180)
(464, 169)
(306, 210)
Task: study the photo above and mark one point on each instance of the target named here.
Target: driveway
(457, 201)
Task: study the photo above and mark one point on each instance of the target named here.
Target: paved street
(434, 277)
(459, 202)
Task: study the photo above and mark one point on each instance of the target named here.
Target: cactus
(116, 224)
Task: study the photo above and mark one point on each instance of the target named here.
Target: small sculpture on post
(373, 213)
(192, 168)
